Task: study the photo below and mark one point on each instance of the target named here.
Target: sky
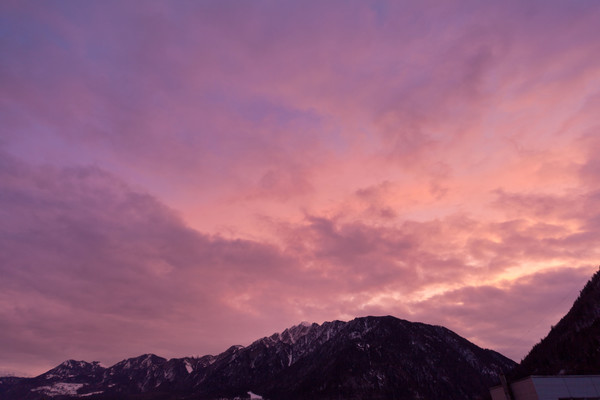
(180, 177)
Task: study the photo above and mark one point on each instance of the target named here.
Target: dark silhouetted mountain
(573, 346)
(366, 358)
(75, 369)
(66, 378)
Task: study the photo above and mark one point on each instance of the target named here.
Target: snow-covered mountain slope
(366, 358)
(74, 369)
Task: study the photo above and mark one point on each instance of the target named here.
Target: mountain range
(366, 358)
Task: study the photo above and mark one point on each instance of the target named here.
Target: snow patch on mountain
(60, 389)
(90, 394)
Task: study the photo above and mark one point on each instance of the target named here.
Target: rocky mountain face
(366, 358)
(573, 346)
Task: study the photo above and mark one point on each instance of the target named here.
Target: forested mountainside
(572, 346)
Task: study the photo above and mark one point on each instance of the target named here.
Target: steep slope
(241, 369)
(573, 345)
(366, 358)
(72, 369)
(389, 358)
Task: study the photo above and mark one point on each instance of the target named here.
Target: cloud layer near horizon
(178, 178)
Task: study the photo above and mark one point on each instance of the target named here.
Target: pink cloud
(95, 251)
(510, 318)
(231, 170)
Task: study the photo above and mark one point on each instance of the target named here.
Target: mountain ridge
(572, 347)
(368, 357)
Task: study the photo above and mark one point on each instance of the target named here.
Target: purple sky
(179, 177)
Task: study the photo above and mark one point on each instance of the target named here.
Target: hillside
(571, 347)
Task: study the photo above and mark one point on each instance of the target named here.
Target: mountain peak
(72, 368)
(145, 360)
(293, 334)
(72, 364)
